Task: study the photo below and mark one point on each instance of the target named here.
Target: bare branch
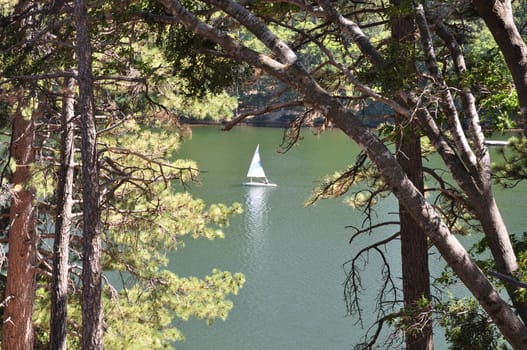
(467, 98)
(266, 109)
(507, 279)
(370, 228)
(252, 23)
(446, 102)
(353, 283)
(55, 75)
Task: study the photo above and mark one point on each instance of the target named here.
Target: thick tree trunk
(496, 233)
(474, 176)
(414, 249)
(409, 196)
(414, 243)
(91, 264)
(17, 332)
(498, 16)
(59, 286)
(487, 209)
(425, 216)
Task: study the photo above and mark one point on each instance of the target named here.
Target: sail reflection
(256, 223)
(256, 209)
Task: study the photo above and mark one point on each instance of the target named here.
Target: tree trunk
(423, 213)
(414, 243)
(17, 332)
(473, 177)
(91, 264)
(414, 249)
(505, 259)
(498, 16)
(425, 216)
(59, 286)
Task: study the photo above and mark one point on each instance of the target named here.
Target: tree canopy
(90, 96)
(90, 122)
(429, 90)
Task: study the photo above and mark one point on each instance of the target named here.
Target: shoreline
(284, 123)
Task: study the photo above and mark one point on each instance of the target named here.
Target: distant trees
(430, 88)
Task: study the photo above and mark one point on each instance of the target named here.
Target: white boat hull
(496, 143)
(258, 184)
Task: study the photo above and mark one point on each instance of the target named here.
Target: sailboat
(256, 171)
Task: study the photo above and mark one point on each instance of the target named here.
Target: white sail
(256, 171)
(256, 168)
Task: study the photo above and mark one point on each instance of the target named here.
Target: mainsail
(256, 168)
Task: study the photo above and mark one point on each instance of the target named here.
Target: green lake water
(292, 256)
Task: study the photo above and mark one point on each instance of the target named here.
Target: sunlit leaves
(41, 318)
(413, 319)
(361, 174)
(145, 208)
(467, 327)
(492, 84)
(513, 168)
(148, 308)
(146, 215)
(7, 6)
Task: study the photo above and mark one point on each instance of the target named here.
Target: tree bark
(425, 216)
(59, 285)
(498, 16)
(414, 250)
(414, 243)
(423, 213)
(474, 177)
(91, 264)
(17, 332)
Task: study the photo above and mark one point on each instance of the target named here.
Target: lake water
(292, 256)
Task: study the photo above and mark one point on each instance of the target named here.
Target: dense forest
(93, 96)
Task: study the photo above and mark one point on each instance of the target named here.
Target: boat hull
(496, 143)
(258, 184)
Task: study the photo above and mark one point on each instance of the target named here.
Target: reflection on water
(256, 225)
(291, 256)
(257, 209)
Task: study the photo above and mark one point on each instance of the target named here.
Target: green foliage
(412, 320)
(41, 319)
(5, 114)
(403, 8)
(145, 214)
(520, 246)
(399, 72)
(465, 323)
(467, 327)
(149, 307)
(212, 107)
(512, 169)
(275, 10)
(490, 79)
(200, 72)
(145, 223)
(370, 185)
(145, 208)
(169, 92)
(27, 57)
(6, 6)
